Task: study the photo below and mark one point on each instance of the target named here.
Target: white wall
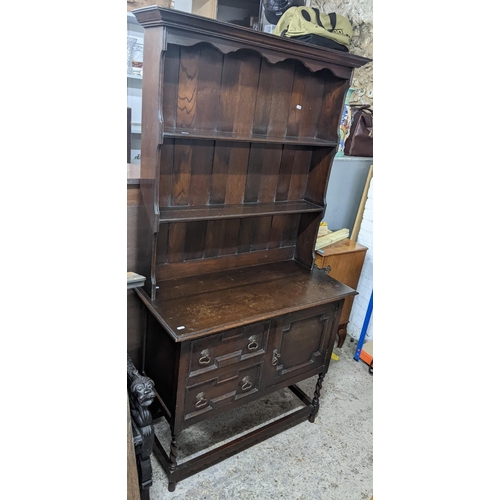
(365, 285)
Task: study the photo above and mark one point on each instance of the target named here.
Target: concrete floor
(331, 459)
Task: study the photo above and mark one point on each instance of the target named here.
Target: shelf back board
(240, 129)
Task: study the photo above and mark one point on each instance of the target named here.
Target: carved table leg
(172, 466)
(341, 334)
(315, 401)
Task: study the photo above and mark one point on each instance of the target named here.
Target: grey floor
(330, 459)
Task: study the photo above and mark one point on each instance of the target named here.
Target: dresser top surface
(201, 305)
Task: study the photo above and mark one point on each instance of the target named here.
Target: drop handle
(276, 355)
(252, 343)
(245, 384)
(205, 357)
(200, 400)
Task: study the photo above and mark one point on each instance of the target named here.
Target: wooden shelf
(210, 135)
(187, 214)
(211, 303)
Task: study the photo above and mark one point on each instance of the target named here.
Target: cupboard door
(301, 341)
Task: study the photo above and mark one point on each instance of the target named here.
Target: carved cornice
(188, 29)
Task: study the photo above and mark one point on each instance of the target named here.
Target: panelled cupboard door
(300, 342)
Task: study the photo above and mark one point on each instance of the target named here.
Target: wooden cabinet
(239, 130)
(344, 261)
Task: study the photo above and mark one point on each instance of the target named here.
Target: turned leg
(172, 466)
(341, 335)
(315, 401)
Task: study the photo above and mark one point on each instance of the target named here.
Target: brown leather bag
(359, 142)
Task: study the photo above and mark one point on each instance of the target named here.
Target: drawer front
(220, 391)
(210, 354)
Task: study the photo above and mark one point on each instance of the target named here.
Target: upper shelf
(177, 133)
(189, 214)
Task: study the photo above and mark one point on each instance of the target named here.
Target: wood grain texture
(285, 173)
(181, 172)
(206, 266)
(278, 224)
(231, 234)
(301, 167)
(279, 102)
(261, 233)
(214, 237)
(236, 175)
(306, 238)
(313, 102)
(254, 173)
(162, 244)
(240, 75)
(189, 65)
(222, 159)
(194, 244)
(170, 85)
(201, 173)
(297, 100)
(226, 299)
(270, 173)
(332, 107)
(166, 171)
(263, 98)
(176, 241)
(319, 173)
(208, 88)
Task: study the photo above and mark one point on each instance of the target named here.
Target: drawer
(227, 348)
(222, 390)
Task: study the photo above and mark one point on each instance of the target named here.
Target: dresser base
(177, 472)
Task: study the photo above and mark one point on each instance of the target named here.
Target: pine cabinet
(343, 261)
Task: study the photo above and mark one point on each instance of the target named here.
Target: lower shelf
(233, 432)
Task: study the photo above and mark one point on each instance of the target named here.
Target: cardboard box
(137, 4)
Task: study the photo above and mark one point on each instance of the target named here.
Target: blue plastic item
(362, 336)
